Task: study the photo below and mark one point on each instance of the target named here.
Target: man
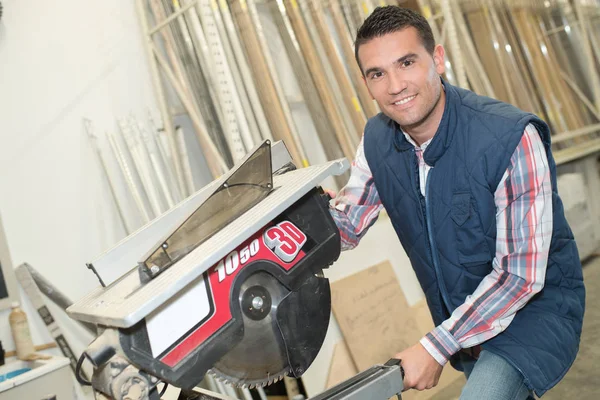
(469, 184)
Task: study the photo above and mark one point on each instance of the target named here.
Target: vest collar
(443, 136)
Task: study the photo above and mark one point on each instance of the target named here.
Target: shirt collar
(411, 141)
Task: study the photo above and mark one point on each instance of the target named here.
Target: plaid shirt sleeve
(357, 205)
(524, 229)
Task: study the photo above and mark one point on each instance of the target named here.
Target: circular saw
(228, 283)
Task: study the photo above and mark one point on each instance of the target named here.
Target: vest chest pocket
(472, 248)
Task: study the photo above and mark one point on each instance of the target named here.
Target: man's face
(402, 76)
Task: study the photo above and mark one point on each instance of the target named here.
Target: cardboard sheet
(373, 315)
(377, 323)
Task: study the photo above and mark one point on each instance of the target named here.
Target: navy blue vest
(449, 234)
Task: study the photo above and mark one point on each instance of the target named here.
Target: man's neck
(427, 129)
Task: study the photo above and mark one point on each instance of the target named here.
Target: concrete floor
(583, 379)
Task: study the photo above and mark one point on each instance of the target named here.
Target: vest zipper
(434, 255)
(430, 239)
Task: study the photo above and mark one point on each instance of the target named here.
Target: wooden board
(347, 90)
(346, 44)
(320, 118)
(278, 123)
(321, 84)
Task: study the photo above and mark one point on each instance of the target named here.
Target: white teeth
(406, 100)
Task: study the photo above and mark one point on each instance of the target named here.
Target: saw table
(228, 283)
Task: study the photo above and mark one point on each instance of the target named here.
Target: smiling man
(469, 184)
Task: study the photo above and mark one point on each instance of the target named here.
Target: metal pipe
(171, 18)
(459, 66)
(160, 95)
(94, 139)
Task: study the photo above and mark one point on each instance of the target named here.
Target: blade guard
(302, 349)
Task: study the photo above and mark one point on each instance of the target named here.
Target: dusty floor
(583, 379)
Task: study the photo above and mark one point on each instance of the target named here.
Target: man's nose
(396, 83)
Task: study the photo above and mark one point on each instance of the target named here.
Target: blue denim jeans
(491, 377)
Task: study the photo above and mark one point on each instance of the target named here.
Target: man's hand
(330, 192)
(421, 370)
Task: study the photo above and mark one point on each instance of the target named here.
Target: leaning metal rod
(587, 48)
(347, 49)
(171, 17)
(237, 138)
(440, 37)
(228, 95)
(245, 80)
(152, 151)
(321, 120)
(459, 65)
(241, 100)
(160, 95)
(267, 91)
(125, 170)
(195, 80)
(580, 94)
(219, 167)
(140, 165)
(347, 90)
(183, 155)
(312, 61)
(295, 141)
(94, 139)
(327, 70)
(179, 81)
(166, 156)
(309, 92)
(472, 53)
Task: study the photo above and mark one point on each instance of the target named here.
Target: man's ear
(439, 59)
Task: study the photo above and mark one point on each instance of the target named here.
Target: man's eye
(407, 63)
(376, 75)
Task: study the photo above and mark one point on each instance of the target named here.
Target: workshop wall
(61, 61)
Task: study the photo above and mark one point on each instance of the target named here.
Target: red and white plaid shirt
(524, 229)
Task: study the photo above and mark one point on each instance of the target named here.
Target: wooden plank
(519, 83)
(175, 75)
(331, 145)
(267, 52)
(244, 75)
(233, 121)
(201, 87)
(316, 72)
(278, 123)
(369, 105)
(348, 94)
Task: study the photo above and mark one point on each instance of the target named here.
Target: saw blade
(259, 359)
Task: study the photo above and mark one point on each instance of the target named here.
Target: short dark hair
(391, 19)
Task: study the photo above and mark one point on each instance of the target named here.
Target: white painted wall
(61, 61)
